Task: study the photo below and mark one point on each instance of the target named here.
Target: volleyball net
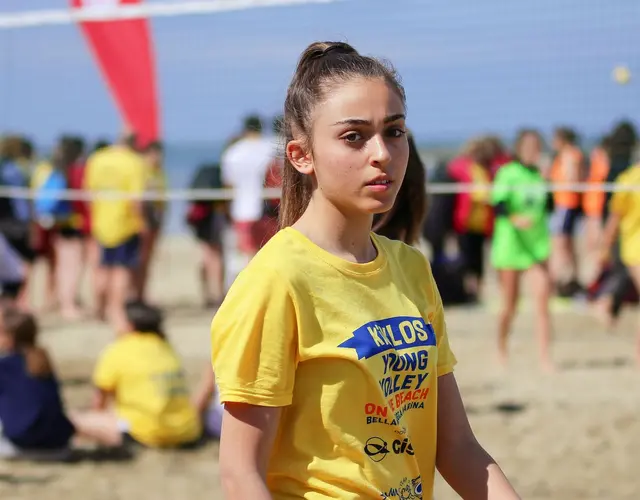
(185, 57)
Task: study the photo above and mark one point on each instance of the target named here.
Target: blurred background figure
(244, 168)
(521, 241)
(208, 220)
(15, 211)
(472, 212)
(568, 168)
(117, 224)
(613, 285)
(62, 220)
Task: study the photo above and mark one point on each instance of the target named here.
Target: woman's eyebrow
(362, 121)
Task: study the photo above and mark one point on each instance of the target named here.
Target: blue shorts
(563, 221)
(126, 254)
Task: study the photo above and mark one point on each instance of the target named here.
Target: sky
(468, 66)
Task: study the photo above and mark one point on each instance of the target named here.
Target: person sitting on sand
(32, 414)
(33, 420)
(141, 374)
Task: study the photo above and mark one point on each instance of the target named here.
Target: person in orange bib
(567, 168)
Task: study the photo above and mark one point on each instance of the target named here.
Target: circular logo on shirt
(376, 449)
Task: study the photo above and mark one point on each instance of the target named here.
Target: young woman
(521, 241)
(330, 350)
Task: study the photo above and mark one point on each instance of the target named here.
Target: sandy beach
(571, 435)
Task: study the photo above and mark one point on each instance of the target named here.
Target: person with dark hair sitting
(141, 375)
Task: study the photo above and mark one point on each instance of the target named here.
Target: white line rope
(109, 10)
(274, 193)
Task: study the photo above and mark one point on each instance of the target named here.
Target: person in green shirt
(522, 241)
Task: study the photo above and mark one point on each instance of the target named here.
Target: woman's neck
(344, 235)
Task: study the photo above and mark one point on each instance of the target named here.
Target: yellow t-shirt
(352, 351)
(626, 204)
(40, 174)
(151, 393)
(115, 169)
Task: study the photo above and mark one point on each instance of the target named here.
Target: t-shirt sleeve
(446, 358)
(501, 189)
(105, 374)
(254, 340)
(620, 199)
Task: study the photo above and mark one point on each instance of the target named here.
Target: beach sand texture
(572, 435)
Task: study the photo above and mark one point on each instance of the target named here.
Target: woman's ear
(299, 157)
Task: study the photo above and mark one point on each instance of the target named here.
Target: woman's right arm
(254, 353)
(245, 448)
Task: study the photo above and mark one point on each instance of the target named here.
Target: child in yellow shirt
(142, 376)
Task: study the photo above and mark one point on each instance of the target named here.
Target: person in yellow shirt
(331, 350)
(143, 377)
(116, 176)
(624, 223)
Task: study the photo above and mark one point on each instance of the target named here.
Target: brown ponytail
(320, 67)
(23, 328)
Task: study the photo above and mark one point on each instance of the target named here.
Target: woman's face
(529, 150)
(359, 148)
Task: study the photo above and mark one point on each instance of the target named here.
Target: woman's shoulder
(402, 253)
(281, 260)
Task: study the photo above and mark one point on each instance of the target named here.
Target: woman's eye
(396, 132)
(352, 137)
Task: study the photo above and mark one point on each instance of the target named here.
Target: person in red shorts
(244, 168)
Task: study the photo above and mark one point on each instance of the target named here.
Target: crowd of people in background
(535, 229)
(113, 240)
